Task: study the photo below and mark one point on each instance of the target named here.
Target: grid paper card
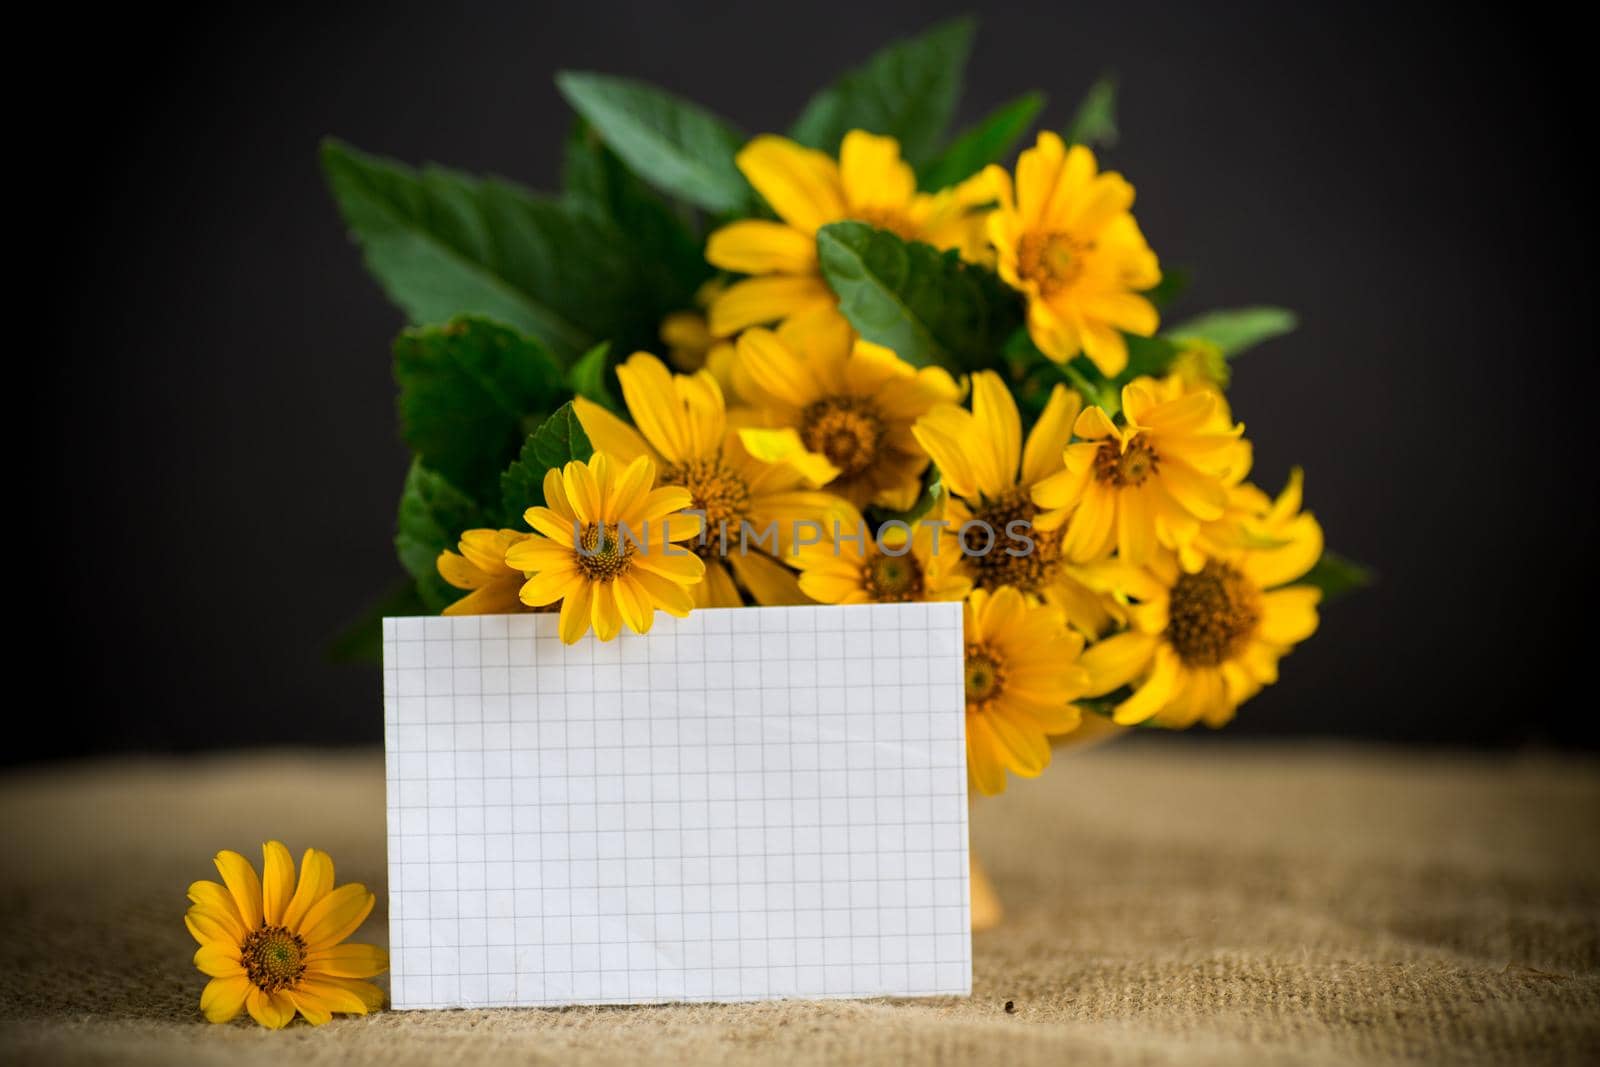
(743, 804)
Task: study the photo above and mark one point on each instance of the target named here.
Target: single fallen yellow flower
(273, 948)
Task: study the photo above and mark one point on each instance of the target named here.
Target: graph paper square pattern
(744, 804)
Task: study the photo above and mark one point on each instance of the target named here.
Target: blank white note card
(744, 804)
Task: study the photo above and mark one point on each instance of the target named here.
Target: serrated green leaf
(444, 244)
(428, 243)
(588, 378)
(678, 147)
(932, 308)
(1239, 329)
(433, 514)
(658, 235)
(1336, 576)
(1095, 122)
(987, 142)
(467, 391)
(908, 91)
(557, 442)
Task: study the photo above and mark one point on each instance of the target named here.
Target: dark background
(215, 440)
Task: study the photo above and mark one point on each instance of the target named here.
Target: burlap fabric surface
(1170, 902)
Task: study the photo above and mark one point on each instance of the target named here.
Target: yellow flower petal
(583, 490)
(211, 929)
(575, 608)
(277, 883)
(310, 1006)
(223, 998)
(756, 246)
(1289, 616)
(538, 554)
(607, 433)
(768, 298)
(243, 885)
(657, 408)
(875, 178)
(218, 961)
(556, 527)
(1154, 692)
(675, 598)
(996, 451)
(714, 591)
(768, 581)
(272, 1010)
(1048, 439)
(337, 915)
(1117, 660)
(604, 614)
(369, 995)
(459, 571)
(801, 185)
(348, 961)
(316, 882)
(984, 768)
(218, 902)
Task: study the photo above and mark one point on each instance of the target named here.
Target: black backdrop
(215, 440)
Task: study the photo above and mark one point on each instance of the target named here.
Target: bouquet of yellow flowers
(857, 362)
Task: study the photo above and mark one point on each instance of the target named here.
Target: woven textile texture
(1170, 900)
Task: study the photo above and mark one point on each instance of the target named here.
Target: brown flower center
(1212, 615)
(1125, 467)
(604, 553)
(1051, 261)
(985, 677)
(997, 566)
(892, 579)
(718, 492)
(273, 958)
(847, 429)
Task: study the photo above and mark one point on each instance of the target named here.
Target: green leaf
(1095, 122)
(444, 244)
(657, 235)
(1237, 330)
(433, 514)
(467, 390)
(985, 143)
(677, 146)
(427, 240)
(908, 91)
(587, 378)
(1336, 576)
(930, 307)
(557, 442)
(361, 641)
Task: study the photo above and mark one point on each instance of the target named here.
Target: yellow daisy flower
(989, 474)
(481, 567)
(807, 189)
(752, 480)
(1149, 482)
(849, 400)
(1200, 644)
(274, 947)
(1022, 672)
(605, 548)
(916, 561)
(1065, 237)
